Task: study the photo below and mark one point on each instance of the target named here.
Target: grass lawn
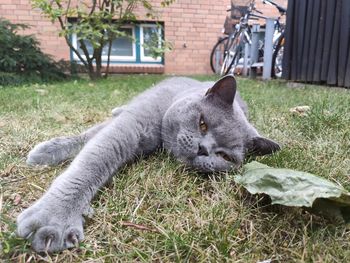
(188, 217)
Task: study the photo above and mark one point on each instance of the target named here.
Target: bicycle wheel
(277, 58)
(217, 55)
(232, 56)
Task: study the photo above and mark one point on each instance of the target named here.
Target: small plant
(21, 58)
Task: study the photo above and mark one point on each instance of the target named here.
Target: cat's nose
(202, 150)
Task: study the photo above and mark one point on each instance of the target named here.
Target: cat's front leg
(55, 222)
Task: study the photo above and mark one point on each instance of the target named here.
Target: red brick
(8, 7)
(21, 12)
(12, 18)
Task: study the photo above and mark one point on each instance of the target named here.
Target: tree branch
(93, 7)
(86, 52)
(110, 40)
(68, 6)
(70, 44)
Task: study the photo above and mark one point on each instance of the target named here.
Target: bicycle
(229, 51)
(218, 52)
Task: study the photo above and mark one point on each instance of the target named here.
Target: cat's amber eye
(224, 156)
(202, 125)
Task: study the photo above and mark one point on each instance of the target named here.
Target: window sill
(144, 68)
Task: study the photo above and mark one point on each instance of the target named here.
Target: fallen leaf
(17, 199)
(116, 93)
(8, 170)
(42, 91)
(233, 252)
(265, 261)
(300, 110)
(88, 119)
(295, 188)
(60, 118)
(295, 85)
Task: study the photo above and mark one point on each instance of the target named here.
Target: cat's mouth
(205, 162)
(208, 164)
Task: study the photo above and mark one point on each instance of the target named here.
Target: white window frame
(142, 49)
(112, 58)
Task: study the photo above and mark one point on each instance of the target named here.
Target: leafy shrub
(7, 78)
(21, 55)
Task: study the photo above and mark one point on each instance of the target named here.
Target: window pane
(122, 45)
(150, 38)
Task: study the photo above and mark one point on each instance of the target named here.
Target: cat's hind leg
(60, 149)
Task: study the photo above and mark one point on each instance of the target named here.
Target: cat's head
(210, 131)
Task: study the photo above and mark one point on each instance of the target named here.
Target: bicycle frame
(231, 52)
(241, 35)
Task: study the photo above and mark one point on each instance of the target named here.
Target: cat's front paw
(49, 228)
(52, 152)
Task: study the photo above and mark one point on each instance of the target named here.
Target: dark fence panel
(317, 47)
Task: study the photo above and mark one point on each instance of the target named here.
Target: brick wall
(192, 26)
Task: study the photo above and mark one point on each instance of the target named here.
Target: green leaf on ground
(299, 189)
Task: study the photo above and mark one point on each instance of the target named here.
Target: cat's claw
(48, 230)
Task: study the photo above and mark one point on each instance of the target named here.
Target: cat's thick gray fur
(167, 115)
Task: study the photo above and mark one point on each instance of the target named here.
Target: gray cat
(206, 128)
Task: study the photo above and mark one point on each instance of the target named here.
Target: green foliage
(99, 23)
(21, 57)
(11, 79)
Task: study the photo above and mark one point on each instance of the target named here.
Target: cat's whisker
(48, 242)
(30, 235)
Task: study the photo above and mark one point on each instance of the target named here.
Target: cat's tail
(60, 149)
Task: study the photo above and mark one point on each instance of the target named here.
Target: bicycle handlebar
(280, 9)
(249, 15)
(252, 16)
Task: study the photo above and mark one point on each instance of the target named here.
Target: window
(150, 36)
(125, 50)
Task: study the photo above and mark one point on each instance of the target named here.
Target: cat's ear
(224, 89)
(261, 146)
